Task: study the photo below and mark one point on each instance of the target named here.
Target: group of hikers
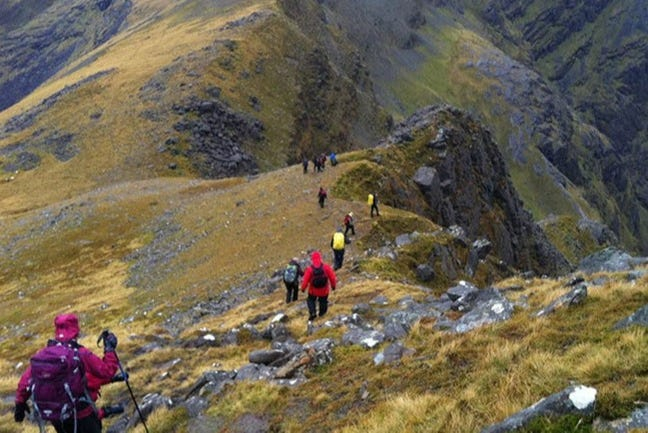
(63, 379)
(319, 162)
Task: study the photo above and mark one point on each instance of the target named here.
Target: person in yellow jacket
(372, 201)
(338, 242)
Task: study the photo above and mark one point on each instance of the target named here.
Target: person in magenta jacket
(319, 279)
(99, 371)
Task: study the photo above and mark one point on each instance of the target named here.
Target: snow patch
(582, 397)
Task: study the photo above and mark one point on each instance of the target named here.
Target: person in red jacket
(99, 371)
(319, 278)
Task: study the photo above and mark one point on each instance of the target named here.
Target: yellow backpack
(370, 199)
(338, 241)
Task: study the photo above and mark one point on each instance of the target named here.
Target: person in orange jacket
(319, 279)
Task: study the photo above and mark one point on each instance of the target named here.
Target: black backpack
(320, 279)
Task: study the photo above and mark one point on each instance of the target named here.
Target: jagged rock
(212, 381)
(323, 350)
(402, 240)
(574, 297)
(265, 357)
(380, 300)
(488, 306)
(464, 290)
(363, 337)
(425, 272)
(479, 193)
(639, 317)
(577, 399)
(429, 182)
(276, 331)
(289, 370)
(362, 308)
(255, 372)
(610, 260)
(392, 353)
(637, 420)
(398, 324)
(217, 135)
(149, 403)
(479, 250)
(195, 405)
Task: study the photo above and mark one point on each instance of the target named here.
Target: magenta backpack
(58, 382)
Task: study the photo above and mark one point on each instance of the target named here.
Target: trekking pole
(103, 335)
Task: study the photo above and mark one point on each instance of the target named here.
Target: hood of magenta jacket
(66, 327)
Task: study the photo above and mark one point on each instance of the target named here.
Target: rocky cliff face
(595, 53)
(38, 45)
(464, 180)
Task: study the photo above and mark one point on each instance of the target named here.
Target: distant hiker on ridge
(333, 159)
(305, 164)
(318, 278)
(348, 224)
(321, 196)
(372, 200)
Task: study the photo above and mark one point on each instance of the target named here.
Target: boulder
(639, 318)
(577, 400)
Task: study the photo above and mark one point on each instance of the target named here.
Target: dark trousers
(89, 424)
(374, 207)
(321, 201)
(312, 310)
(292, 290)
(338, 258)
(351, 228)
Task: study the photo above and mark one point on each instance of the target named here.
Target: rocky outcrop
(217, 135)
(575, 400)
(610, 40)
(465, 182)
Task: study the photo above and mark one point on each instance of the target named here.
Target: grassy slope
(449, 384)
(69, 229)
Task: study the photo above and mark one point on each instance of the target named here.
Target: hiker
(305, 164)
(333, 159)
(291, 279)
(338, 242)
(52, 403)
(372, 200)
(322, 160)
(319, 278)
(316, 165)
(348, 224)
(321, 196)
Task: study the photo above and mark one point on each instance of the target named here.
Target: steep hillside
(251, 86)
(187, 273)
(147, 152)
(595, 54)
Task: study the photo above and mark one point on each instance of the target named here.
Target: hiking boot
(312, 317)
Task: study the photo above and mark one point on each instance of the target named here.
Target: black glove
(110, 342)
(112, 410)
(120, 377)
(19, 411)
